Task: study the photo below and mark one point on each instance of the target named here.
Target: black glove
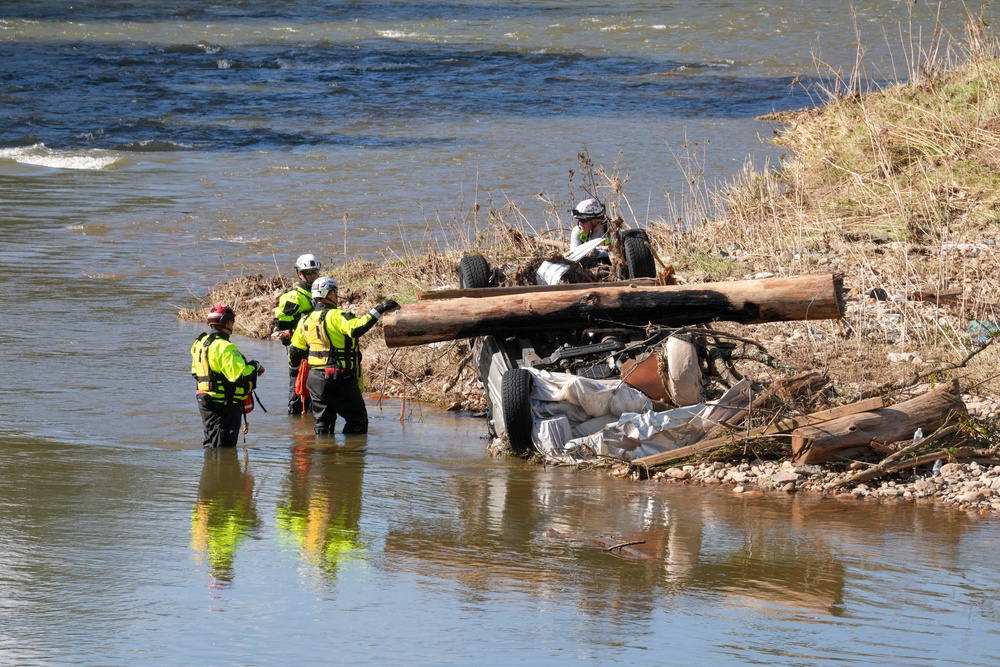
(285, 337)
(386, 306)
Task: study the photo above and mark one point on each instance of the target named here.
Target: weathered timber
(479, 292)
(782, 426)
(815, 444)
(814, 297)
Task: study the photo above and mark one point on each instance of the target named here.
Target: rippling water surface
(151, 150)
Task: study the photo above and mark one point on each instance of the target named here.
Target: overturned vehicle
(619, 370)
(619, 392)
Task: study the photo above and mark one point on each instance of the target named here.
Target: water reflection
(320, 508)
(546, 533)
(225, 514)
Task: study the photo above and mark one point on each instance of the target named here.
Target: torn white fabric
(684, 385)
(596, 397)
(625, 434)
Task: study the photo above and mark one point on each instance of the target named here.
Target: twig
(903, 384)
(624, 544)
(458, 372)
(886, 465)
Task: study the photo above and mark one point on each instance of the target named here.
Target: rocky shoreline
(965, 486)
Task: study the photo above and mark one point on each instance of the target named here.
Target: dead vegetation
(895, 190)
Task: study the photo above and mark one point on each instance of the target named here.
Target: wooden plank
(479, 292)
(783, 426)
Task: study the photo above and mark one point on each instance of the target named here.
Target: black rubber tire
(473, 272)
(515, 397)
(638, 257)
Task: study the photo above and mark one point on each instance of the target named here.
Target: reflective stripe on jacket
(292, 305)
(220, 369)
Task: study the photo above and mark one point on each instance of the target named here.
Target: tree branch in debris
(889, 462)
(903, 384)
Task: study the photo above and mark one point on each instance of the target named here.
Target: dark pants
(294, 400)
(337, 397)
(221, 421)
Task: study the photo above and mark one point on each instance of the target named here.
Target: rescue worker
(328, 338)
(591, 222)
(225, 379)
(292, 305)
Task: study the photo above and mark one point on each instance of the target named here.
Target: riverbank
(895, 190)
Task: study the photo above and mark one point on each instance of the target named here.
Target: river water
(149, 151)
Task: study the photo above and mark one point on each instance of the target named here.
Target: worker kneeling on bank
(328, 338)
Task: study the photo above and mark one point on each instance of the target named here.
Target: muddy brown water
(150, 152)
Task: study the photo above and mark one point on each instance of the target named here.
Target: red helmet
(221, 314)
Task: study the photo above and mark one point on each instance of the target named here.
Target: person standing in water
(224, 379)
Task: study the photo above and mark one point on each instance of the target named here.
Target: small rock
(970, 497)
(784, 476)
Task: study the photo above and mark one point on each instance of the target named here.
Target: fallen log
(815, 297)
(930, 411)
(782, 426)
(480, 292)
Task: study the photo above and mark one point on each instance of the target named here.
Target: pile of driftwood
(864, 430)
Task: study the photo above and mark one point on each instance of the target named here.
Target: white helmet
(323, 286)
(588, 208)
(307, 262)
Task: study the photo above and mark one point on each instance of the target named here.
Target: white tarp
(576, 418)
(550, 273)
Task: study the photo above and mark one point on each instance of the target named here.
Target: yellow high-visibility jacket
(220, 369)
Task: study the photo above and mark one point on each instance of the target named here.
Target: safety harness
(329, 356)
(209, 381)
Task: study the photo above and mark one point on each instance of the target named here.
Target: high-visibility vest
(220, 370)
(331, 338)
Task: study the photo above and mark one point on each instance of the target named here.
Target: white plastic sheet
(550, 273)
(577, 418)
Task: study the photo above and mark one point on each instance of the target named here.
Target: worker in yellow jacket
(292, 306)
(328, 338)
(225, 379)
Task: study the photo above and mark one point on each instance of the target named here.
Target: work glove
(386, 306)
(259, 366)
(285, 337)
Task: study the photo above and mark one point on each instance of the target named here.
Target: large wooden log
(815, 444)
(480, 292)
(814, 297)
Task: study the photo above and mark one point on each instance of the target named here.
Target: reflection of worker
(225, 513)
(321, 510)
(591, 222)
(292, 306)
(328, 338)
(225, 379)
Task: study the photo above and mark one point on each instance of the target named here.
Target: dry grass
(895, 189)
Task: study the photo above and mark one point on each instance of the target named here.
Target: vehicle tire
(515, 396)
(473, 272)
(638, 256)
